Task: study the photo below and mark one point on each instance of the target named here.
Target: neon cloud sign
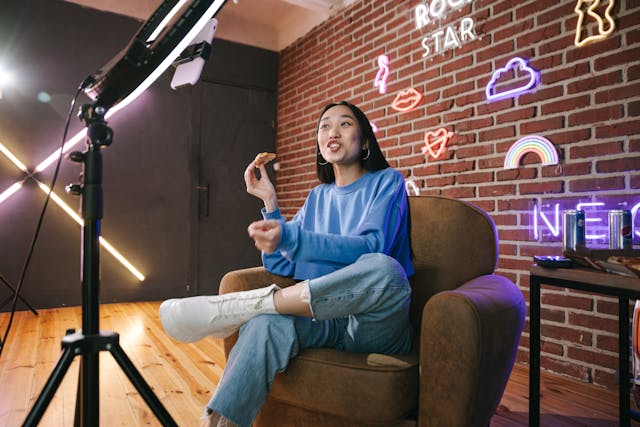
(383, 74)
(539, 145)
(591, 12)
(407, 100)
(436, 142)
(16, 186)
(512, 67)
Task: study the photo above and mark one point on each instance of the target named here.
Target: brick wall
(587, 104)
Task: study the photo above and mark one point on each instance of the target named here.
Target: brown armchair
(467, 320)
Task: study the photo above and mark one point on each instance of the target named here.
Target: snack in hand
(264, 158)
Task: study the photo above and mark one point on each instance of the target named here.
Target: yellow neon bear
(591, 11)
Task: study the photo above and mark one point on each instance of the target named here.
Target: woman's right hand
(261, 188)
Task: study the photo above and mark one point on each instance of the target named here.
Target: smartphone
(553, 261)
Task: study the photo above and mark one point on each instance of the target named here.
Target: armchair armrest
(469, 340)
(245, 280)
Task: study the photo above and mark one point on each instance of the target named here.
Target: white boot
(191, 319)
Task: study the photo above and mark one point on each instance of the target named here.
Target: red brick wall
(587, 104)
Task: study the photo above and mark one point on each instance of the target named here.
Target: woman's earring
(322, 162)
(368, 154)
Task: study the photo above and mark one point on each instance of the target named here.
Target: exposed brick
(497, 190)
(595, 150)
(598, 115)
(567, 334)
(596, 184)
(618, 165)
(542, 187)
(587, 105)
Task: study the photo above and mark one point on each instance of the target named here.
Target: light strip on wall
(13, 158)
(105, 244)
(16, 186)
(9, 191)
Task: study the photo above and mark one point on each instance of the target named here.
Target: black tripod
(90, 341)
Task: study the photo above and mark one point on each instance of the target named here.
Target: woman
(349, 247)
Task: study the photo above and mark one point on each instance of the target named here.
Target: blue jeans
(362, 308)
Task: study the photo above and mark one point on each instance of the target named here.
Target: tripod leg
(141, 385)
(50, 387)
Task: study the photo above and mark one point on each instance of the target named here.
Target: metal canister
(573, 229)
(620, 229)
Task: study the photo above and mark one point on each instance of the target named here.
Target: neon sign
(546, 222)
(448, 37)
(512, 68)
(592, 13)
(531, 144)
(16, 186)
(383, 74)
(407, 100)
(436, 142)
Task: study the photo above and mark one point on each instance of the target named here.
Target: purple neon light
(513, 64)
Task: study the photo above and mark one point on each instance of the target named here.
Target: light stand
(90, 341)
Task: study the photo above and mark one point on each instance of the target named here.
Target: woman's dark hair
(375, 161)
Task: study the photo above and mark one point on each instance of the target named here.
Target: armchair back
(453, 242)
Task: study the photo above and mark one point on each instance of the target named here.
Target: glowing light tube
(13, 158)
(117, 255)
(169, 59)
(9, 191)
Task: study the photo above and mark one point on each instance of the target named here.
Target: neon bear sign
(448, 37)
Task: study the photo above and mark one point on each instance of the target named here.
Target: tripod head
(92, 115)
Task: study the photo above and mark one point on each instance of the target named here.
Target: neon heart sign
(436, 142)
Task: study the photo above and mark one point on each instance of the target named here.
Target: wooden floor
(184, 376)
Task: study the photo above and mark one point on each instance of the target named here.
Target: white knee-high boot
(191, 319)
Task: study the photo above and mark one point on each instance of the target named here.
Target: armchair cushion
(344, 385)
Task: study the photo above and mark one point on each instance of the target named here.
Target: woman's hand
(261, 188)
(266, 234)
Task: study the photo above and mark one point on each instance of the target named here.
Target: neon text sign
(546, 220)
(449, 36)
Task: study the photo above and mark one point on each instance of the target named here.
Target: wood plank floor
(184, 376)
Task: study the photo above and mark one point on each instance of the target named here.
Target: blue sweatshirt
(337, 225)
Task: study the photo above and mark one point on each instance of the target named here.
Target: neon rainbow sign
(531, 144)
(513, 66)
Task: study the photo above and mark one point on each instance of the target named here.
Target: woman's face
(340, 136)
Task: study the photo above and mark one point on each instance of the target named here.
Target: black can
(573, 227)
(620, 229)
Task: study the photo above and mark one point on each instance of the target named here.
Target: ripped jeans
(361, 308)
